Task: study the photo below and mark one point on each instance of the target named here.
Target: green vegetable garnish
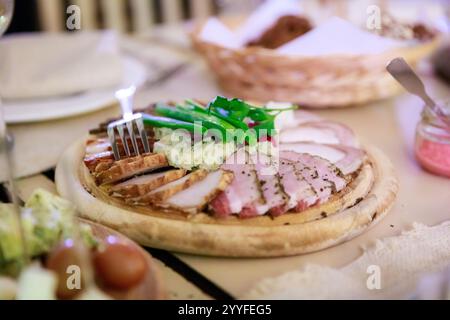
(165, 122)
(235, 119)
(192, 116)
(239, 110)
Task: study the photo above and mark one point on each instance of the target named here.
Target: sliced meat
(290, 118)
(326, 132)
(99, 145)
(301, 194)
(352, 160)
(129, 167)
(308, 134)
(98, 151)
(302, 116)
(327, 171)
(269, 181)
(243, 195)
(92, 161)
(166, 191)
(222, 206)
(141, 185)
(312, 173)
(196, 197)
(346, 159)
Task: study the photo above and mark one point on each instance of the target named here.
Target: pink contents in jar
(434, 156)
(433, 143)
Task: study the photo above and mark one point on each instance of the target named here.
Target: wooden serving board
(218, 238)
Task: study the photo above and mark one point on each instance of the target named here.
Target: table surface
(388, 124)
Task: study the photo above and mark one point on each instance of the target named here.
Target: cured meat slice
(105, 159)
(325, 132)
(243, 196)
(196, 197)
(141, 185)
(301, 194)
(269, 181)
(327, 171)
(126, 168)
(312, 173)
(164, 192)
(346, 159)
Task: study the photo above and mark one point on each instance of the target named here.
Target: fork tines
(126, 129)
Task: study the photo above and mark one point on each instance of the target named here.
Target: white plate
(20, 111)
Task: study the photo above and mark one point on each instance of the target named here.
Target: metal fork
(126, 126)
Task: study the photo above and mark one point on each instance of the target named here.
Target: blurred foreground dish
(57, 254)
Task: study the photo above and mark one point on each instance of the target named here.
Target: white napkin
(400, 261)
(265, 16)
(338, 36)
(46, 65)
(214, 31)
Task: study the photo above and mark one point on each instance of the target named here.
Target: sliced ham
(141, 185)
(129, 167)
(99, 145)
(308, 134)
(221, 205)
(301, 195)
(302, 116)
(269, 181)
(346, 159)
(290, 118)
(102, 145)
(312, 172)
(324, 132)
(166, 191)
(352, 160)
(196, 197)
(105, 159)
(98, 151)
(243, 196)
(327, 171)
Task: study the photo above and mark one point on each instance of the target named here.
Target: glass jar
(432, 147)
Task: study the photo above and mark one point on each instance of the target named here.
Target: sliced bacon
(301, 194)
(221, 206)
(269, 180)
(312, 173)
(324, 132)
(243, 194)
(195, 198)
(327, 171)
(302, 116)
(352, 160)
(346, 159)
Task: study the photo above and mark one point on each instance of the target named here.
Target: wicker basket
(260, 74)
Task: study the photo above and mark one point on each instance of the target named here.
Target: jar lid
(431, 117)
